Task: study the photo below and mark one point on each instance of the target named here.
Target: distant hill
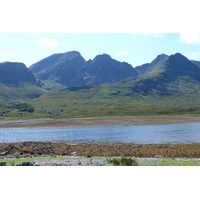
(172, 66)
(165, 73)
(17, 83)
(16, 74)
(71, 69)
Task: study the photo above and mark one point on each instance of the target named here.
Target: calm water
(157, 134)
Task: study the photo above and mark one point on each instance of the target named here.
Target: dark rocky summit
(16, 74)
(103, 69)
(63, 69)
(170, 67)
(71, 69)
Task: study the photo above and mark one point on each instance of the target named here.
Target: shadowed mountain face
(71, 69)
(103, 69)
(170, 67)
(64, 69)
(197, 63)
(16, 74)
(165, 82)
(165, 74)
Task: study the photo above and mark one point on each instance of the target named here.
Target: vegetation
(23, 107)
(169, 85)
(14, 162)
(171, 162)
(115, 161)
(122, 161)
(151, 94)
(17, 155)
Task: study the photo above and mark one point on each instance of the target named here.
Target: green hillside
(167, 85)
(11, 96)
(125, 98)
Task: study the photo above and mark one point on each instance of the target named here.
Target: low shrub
(12, 163)
(17, 154)
(86, 154)
(123, 161)
(23, 107)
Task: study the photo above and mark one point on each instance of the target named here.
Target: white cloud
(193, 55)
(151, 35)
(47, 43)
(155, 35)
(120, 53)
(190, 38)
(35, 34)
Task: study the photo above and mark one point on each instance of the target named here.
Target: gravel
(88, 162)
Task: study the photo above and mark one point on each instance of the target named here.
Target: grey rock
(159, 156)
(2, 163)
(4, 153)
(28, 163)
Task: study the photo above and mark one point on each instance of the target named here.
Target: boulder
(2, 163)
(159, 156)
(28, 163)
(4, 153)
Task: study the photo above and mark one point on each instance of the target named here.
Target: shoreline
(105, 121)
(99, 149)
(106, 150)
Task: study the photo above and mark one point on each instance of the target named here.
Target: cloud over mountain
(190, 38)
(47, 42)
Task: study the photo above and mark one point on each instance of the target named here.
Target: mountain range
(71, 69)
(67, 80)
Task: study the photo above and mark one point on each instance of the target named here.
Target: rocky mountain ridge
(71, 69)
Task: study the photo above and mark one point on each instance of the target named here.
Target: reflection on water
(157, 134)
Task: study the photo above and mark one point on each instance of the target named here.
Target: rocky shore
(92, 149)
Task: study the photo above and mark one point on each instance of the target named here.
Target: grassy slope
(152, 94)
(129, 97)
(10, 95)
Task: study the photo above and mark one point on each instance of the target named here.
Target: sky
(134, 48)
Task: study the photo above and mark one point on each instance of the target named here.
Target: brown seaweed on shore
(109, 149)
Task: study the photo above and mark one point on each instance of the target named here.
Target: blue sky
(134, 48)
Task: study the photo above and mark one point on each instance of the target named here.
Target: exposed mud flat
(129, 121)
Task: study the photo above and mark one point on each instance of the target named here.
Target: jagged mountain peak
(104, 69)
(102, 56)
(71, 54)
(160, 58)
(70, 69)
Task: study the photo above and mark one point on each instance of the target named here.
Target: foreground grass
(171, 162)
(21, 160)
(153, 162)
